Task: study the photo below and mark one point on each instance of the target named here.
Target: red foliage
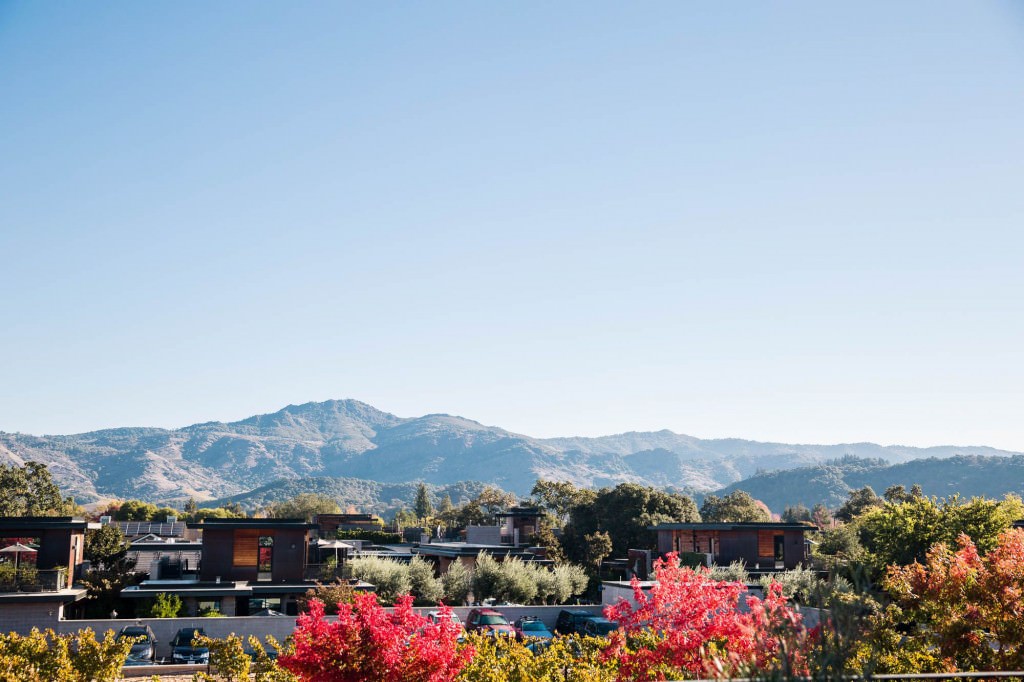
(971, 607)
(693, 623)
(368, 643)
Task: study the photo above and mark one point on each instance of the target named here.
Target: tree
(797, 514)
(422, 506)
(690, 624)
(599, 545)
(626, 512)
(858, 502)
(969, 605)
(736, 507)
(105, 546)
(135, 510)
(425, 588)
(821, 516)
(391, 578)
(29, 490)
(457, 582)
(445, 507)
(559, 498)
(367, 643)
(903, 532)
(303, 506)
(493, 500)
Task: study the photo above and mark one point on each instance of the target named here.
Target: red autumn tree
(968, 607)
(367, 643)
(690, 623)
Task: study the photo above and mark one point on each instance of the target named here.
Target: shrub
(426, 589)
(457, 582)
(686, 641)
(330, 595)
(734, 572)
(376, 537)
(165, 606)
(366, 643)
(49, 657)
(391, 578)
(564, 659)
(265, 668)
(228, 659)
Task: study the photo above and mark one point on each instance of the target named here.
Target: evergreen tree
(422, 506)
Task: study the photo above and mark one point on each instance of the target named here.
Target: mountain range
(350, 439)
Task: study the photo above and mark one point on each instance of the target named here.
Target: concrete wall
(278, 626)
(21, 618)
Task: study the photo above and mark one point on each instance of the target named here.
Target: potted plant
(8, 577)
(28, 578)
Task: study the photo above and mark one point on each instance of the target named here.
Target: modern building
(761, 546)
(41, 558)
(245, 566)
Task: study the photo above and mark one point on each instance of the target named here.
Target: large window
(266, 557)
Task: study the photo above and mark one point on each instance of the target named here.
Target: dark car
(599, 627)
(488, 622)
(143, 651)
(570, 621)
(182, 649)
(530, 626)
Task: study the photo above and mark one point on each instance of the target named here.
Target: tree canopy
(29, 490)
(303, 506)
(736, 507)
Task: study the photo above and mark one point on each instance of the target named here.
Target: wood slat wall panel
(246, 547)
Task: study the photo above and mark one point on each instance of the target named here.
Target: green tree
(136, 510)
(858, 502)
(598, 546)
(422, 506)
(105, 546)
(626, 512)
(736, 507)
(559, 498)
(797, 514)
(457, 583)
(303, 506)
(29, 490)
(424, 587)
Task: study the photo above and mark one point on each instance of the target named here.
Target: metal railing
(34, 580)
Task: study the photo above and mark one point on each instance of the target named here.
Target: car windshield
(185, 637)
(533, 625)
(135, 632)
(493, 620)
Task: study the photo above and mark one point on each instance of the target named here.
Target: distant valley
(351, 440)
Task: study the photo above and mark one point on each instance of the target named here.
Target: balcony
(325, 573)
(30, 579)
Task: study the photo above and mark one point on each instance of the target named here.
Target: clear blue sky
(784, 221)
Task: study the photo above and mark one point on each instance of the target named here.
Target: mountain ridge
(352, 439)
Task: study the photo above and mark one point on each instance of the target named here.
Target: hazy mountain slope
(829, 483)
(370, 497)
(350, 439)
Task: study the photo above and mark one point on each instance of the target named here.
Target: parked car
(183, 651)
(143, 651)
(488, 622)
(435, 618)
(599, 627)
(570, 621)
(532, 627)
